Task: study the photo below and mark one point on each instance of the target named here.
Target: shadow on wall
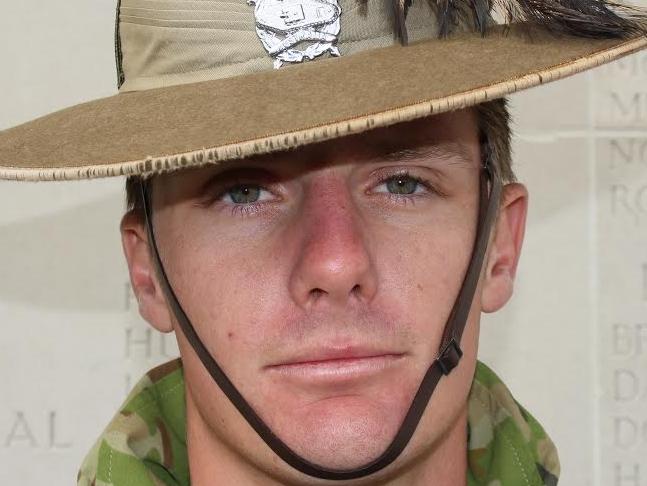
(68, 260)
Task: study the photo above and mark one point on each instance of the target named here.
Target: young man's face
(321, 280)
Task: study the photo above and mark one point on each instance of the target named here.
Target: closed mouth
(342, 367)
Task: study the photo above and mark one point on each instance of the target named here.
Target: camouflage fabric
(506, 446)
(145, 443)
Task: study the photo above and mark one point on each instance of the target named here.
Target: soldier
(322, 218)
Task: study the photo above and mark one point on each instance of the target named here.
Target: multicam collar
(145, 443)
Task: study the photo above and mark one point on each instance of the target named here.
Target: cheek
(226, 287)
(424, 269)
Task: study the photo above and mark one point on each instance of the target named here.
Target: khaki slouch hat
(200, 81)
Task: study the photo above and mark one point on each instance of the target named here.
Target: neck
(213, 462)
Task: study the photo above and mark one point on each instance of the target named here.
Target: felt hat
(207, 81)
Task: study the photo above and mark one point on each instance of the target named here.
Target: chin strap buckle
(449, 357)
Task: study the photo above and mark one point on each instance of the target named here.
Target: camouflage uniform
(145, 443)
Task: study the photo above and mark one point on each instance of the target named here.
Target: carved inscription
(629, 395)
(36, 432)
(628, 151)
(622, 298)
(629, 385)
(629, 340)
(629, 108)
(20, 433)
(619, 94)
(629, 433)
(629, 199)
(145, 343)
(627, 195)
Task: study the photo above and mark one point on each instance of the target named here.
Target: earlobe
(152, 303)
(505, 248)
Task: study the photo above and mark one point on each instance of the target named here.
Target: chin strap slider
(449, 357)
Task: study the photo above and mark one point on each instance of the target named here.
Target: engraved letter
(52, 434)
(626, 385)
(146, 342)
(623, 478)
(20, 432)
(625, 432)
(620, 197)
(622, 339)
(622, 151)
(627, 109)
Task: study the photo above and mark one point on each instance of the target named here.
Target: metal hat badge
(283, 24)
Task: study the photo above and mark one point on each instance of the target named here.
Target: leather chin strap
(448, 357)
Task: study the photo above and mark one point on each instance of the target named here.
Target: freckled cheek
(227, 293)
(423, 271)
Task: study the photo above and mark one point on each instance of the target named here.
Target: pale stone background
(572, 345)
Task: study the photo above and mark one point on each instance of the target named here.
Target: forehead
(447, 137)
(455, 133)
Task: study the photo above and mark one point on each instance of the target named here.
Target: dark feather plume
(585, 18)
(480, 10)
(400, 11)
(447, 16)
(581, 18)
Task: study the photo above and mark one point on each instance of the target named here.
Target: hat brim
(189, 125)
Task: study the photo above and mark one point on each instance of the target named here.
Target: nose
(333, 264)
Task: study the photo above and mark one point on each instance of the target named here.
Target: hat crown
(172, 42)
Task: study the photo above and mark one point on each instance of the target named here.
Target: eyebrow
(452, 151)
(457, 154)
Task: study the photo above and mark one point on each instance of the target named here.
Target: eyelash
(250, 209)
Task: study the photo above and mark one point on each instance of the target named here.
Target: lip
(337, 364)
(323, 354)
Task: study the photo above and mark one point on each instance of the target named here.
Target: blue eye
(402, 184)
(244, 194)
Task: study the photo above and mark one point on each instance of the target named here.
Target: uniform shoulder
(505, 441)
(145, 442)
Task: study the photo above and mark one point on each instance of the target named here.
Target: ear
(149, 294)
(505, 248)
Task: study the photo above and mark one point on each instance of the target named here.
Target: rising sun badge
(295, 30)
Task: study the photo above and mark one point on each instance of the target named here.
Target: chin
(342, 432)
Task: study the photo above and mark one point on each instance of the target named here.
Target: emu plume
(581, 18)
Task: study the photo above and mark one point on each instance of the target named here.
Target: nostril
(316, 293)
